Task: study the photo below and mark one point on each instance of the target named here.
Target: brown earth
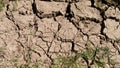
(32, 34)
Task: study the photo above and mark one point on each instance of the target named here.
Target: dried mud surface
(40, 31)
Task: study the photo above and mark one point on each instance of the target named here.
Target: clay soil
(37, 34)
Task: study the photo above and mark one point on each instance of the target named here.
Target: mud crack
(41, 14)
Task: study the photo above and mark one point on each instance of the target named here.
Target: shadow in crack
(69, 14)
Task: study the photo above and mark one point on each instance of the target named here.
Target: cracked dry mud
(40, 31)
